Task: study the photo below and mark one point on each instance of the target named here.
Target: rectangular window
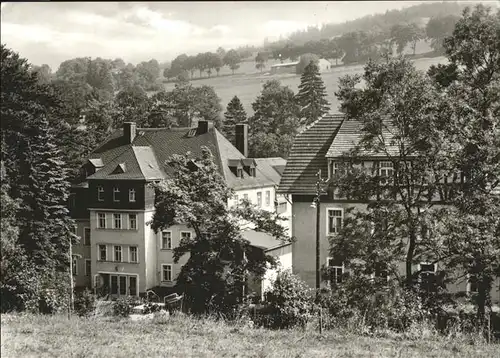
(117, 221)
(268, 197)
(102, 252)
(166, 272)
(259, 199)
(75, 266)
(237, 200)
(185, 235)
(100, 193)
(131, 195)
(114, 284)
(73, 229)
(123, 285)
(252, 172)
(132, 286)
(133, 254)
(118, 253)
(386, 171)
(428, 276)
(86, 236)
(245, 197)
(239, 173)
(334, 220)
(101, 220)
(166, 240)
(116, 194)
(132, 221)
(335, 270)
(88, 267)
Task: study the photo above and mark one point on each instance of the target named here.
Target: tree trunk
(409, 257)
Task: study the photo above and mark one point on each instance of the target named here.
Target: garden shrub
(85, 303)
(289, 303)
(122, 307)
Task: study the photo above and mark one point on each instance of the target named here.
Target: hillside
(418, 14)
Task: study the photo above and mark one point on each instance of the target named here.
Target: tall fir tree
(235, 113)
(312, 95)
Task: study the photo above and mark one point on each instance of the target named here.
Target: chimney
(202, 127)
(129, 131)
(241, 137)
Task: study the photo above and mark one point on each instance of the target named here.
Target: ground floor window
(166, 272)
(335, 270)
(117, 284)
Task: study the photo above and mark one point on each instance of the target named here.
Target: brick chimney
(202, 127)
(129, 131)
(241, 138)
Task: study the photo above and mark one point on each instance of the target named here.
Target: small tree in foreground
(219, 257)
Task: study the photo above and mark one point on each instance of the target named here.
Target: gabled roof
(307, 156)
(146, 157)
(348, 137)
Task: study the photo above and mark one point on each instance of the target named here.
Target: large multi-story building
(321, 147)
(119, 253)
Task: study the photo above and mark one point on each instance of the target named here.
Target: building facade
(320, 147)
(113, 205)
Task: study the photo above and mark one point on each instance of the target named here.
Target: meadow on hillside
(248, 86)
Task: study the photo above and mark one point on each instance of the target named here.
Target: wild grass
(183, 336)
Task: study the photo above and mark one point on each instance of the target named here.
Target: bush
(151, 307)
(122, 307)
(305, 60)
(85, 303)
(289, 303)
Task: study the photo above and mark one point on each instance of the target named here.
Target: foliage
(85, 303)
(290, 302)
(305, 60)
(404, 34)
(122, 306)
(311, 96)
(219, 257)
(275, 121)
(133, 105)
(260, 61)
(232, 60)
(235, 113)
(438, 28)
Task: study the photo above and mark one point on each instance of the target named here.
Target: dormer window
(100, 193)
(249, 165)
(252, 172)
(116, 194)
(239, 173)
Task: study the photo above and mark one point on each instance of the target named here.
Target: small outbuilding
(281, 68)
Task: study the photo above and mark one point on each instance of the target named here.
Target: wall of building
(284, 258)
(150, 240)
(304, 248)
(123, 237)
(82, 278)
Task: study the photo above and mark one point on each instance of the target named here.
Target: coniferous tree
(312, 95)
(235, 113)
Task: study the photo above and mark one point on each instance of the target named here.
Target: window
(245, 196)
(73, 229)
(334, 220)
(132, 286)
(75, 266)
(239, 173)
(381, 271)
(131, 195)
(117, 221)
(133, 254)
(132, 221)
(335, 270)
(166, 272)
(472, 286)
(114, 284)
(259, 199)
(86, 236)
(88, 267)
(102, 252)
(123, 285)
(100, 193)
(428, 276)
(252, 172)
(386, 171)
(237, 200)
(101, 220)
(116, 194)
(118, 253)
(268, 197)
(166, 240)
(185, 235)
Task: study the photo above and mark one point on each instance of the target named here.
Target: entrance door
(123, 285)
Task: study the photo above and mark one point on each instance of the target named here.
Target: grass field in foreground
(56, 336)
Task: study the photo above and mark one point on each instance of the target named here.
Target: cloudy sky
(52, 32)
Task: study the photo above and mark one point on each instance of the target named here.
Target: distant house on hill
(284, 68)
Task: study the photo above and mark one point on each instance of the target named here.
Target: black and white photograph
(250, 179)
